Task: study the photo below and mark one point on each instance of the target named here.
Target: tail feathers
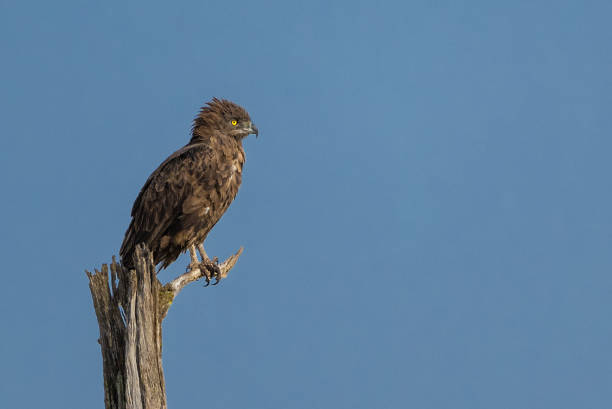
(127, 247)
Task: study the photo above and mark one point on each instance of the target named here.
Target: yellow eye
(234, 122)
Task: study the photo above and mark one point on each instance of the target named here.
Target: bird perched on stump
(189, 192)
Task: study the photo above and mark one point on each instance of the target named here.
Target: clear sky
(426, 214)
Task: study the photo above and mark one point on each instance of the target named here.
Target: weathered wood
(130, 309)
(112, 338)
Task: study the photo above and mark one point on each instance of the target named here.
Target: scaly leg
(202, 252)
(195, 263)
(194, 259)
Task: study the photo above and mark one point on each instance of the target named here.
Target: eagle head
(221, 116)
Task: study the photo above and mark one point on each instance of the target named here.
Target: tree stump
(130, 306)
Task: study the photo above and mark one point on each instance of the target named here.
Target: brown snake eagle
(189, 192)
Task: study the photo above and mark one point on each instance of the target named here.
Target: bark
(130, 306)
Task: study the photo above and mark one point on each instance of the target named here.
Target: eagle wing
(167, 197)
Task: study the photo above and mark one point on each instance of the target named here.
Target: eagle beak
(254, 130)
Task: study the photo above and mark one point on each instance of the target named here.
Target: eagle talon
(217, 272)
(211, 270)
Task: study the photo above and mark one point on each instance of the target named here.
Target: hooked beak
(253, 129)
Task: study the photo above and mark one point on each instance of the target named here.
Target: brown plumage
(189, 192)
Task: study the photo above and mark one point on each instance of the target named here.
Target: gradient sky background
(426, 213)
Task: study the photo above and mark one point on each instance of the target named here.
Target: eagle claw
(211, 269)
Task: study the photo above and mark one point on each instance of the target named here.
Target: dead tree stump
(130, 306)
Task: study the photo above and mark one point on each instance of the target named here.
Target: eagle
(189, 192)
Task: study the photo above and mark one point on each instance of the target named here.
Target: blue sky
(425, 215)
